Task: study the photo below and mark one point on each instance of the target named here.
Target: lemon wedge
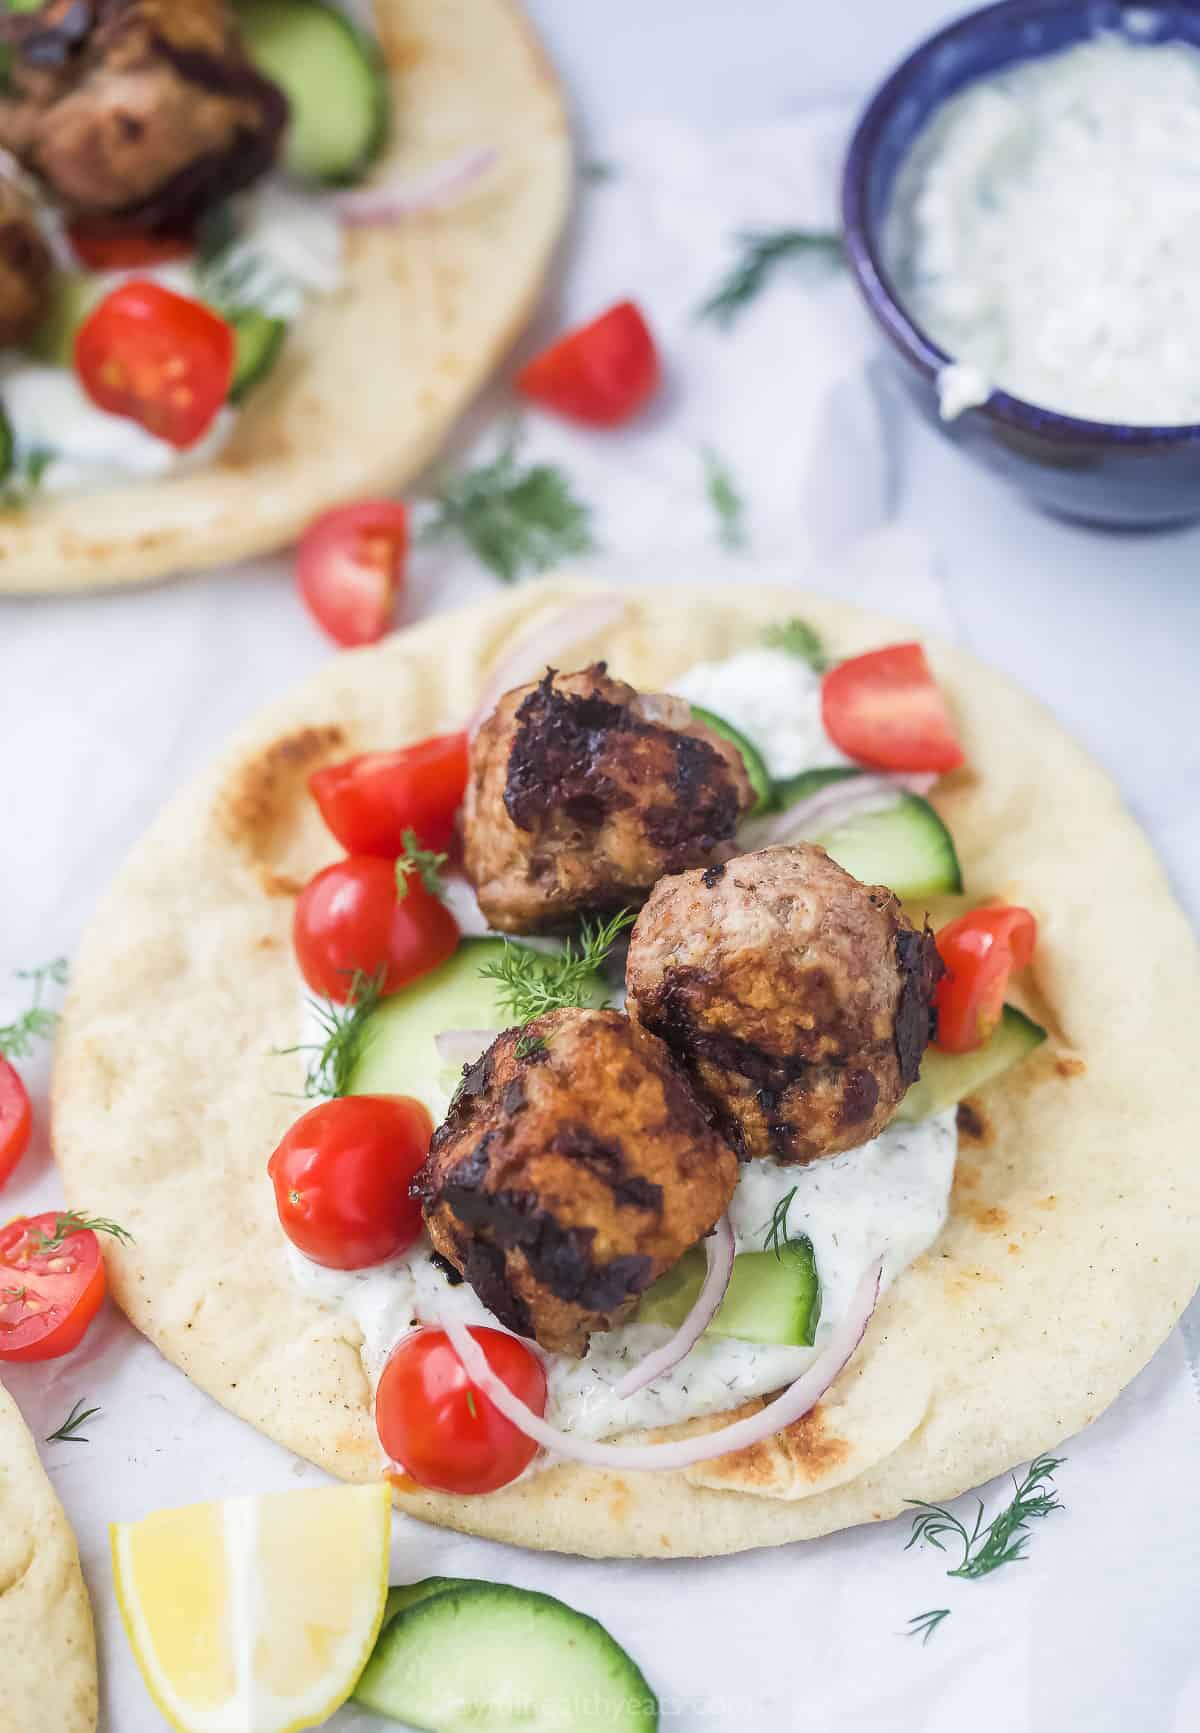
(255, 1615)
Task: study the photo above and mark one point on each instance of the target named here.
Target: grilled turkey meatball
(574, 1168)
(581, 795)
(142, 111)
(797, 999)
(25, 266)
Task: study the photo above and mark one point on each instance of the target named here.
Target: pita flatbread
(1071, 1246)
(47, 1650)
(373, 376)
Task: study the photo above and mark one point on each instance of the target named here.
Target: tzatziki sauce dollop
(1045, 232)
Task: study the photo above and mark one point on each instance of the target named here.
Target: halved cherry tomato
(350, 566)
(47, 1298)
(349, 919)
(980, 950)
(342, 1176)
(601, 373)
(369, 802)
(157, 358)
(106, 249)
(440, 1427)
(884, 710)
(16, 1119)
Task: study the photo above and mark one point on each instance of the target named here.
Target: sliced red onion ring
(533, 653)
(388, 201)
(463, 1046)
(719, 1250)
(663, 707)
(676, 1453)
(828, 808)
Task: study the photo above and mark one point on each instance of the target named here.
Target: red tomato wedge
(350, 568)
(156, 358)
(601, 373)
(349, 920)
(342, 1176)
(47, 1298)
(369, 802)
(105, 249)
(16, 1119)
(885, 710)
(443, 1430)
(981, 950)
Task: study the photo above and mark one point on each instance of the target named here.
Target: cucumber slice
(791, 789)
(259, 339)
(905, 847)
(335, 80)
(72, 297)
(756, 769)
(405, 1595)
(485, 1655)
(946, 1077)
(769, 1298)
(397, 1055)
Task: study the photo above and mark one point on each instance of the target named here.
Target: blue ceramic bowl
(1096, 472)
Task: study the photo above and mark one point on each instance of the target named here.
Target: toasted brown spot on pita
(262, 796)
(1069, 1065)
(988, 1218)
(807, 1450)
(966, 1177)
(1050, 1202)
(618, 1501)
(972, 1123)
(280, 884)
(268, 942)
(1013, 1246)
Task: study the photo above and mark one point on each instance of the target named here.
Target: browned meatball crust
(574, 1168)
(140, 111)
(581, 795)
(25, 266)
(798, 1000)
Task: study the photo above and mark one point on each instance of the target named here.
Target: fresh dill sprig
(1004, 1540)
(762, 250)
(37, 1024)
(332, 1065)
(528, 1045)
(423, 862)
(24, 478)
(514, 520)
(68, 1432)
(532, 983)
(67, 1222)
(775, 1234)
(923, 1625)
(726, 501)
(797, 637)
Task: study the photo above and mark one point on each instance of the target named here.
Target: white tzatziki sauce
(889, 1197)
(288, 250)
(1045, 230)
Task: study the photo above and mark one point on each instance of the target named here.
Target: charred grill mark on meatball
(579, 799)
(142, 112)
(797, 1000)
(568, 1180)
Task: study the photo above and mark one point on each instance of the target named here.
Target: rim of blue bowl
(886, 305)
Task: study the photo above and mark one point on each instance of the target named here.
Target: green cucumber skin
(933, 867)
(771, 1300)
(265, 25)
(401, 1596)
(431, 1667)
(756, 769)
(947, 1077)
(791, 789)
(259, 339)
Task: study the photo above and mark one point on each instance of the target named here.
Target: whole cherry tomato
(981, 950)
(51, 1286)
(157, 358)
(350, 567)
(601, 373)
(885, 710)
(342, 1176)
(440, 1427)
(351, 920)
(16, 1119)
(369, 802)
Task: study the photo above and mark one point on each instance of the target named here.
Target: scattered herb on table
(425, 862)
(798, 639)
(37, 1023)
(761, 252)
(1004, 1539)
(513, 519)
(68, 1432)
(532, 983)
(726, 501)
(923, 1625)
(67, 1222)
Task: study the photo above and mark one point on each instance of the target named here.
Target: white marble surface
(108, 702)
